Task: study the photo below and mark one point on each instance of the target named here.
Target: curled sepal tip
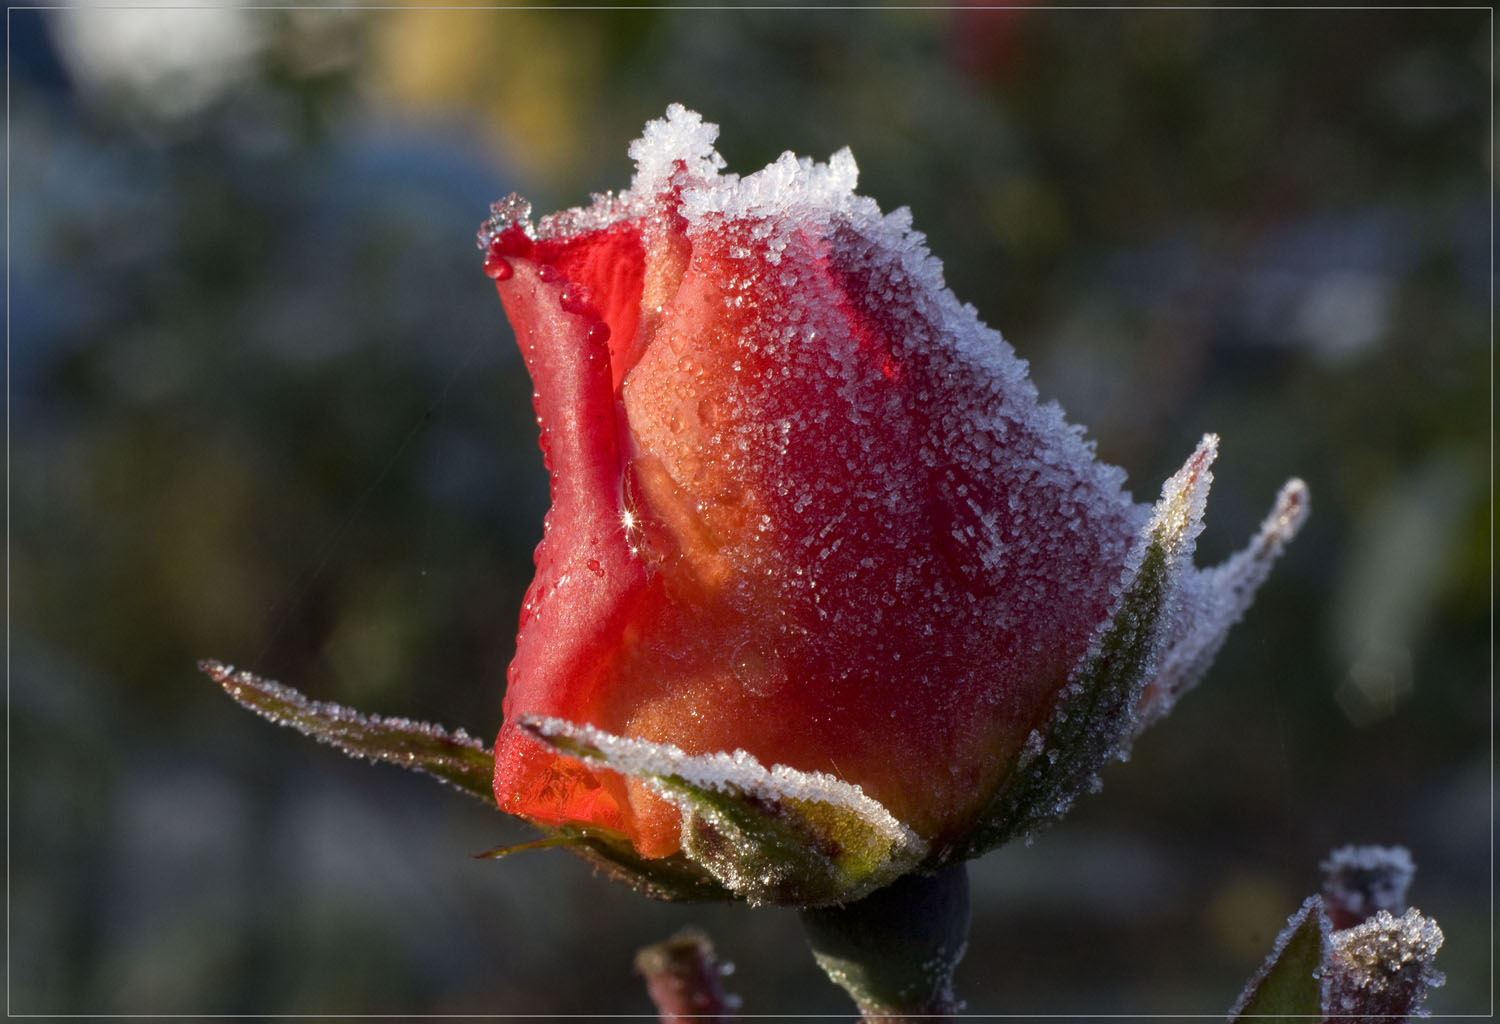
(453, 757)
(767, 835)
(1213, 600)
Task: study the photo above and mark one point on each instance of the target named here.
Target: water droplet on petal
(498, 267)
(575, 299)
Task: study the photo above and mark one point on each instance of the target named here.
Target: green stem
(895, 951)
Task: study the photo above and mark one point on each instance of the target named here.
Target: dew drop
(575, 299)
(708, 412)
(753, 670)
(498, 267)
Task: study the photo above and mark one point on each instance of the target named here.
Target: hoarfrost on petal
(682, 137)
(505, 213)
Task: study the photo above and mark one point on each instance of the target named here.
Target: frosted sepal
(453, 757)
(1287, 984)
(768, 835)
(1094, 717)
(1213, 600)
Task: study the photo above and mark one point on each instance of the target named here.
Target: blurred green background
(265, 408)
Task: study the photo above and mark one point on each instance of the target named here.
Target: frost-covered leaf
(1095, 713)
(1287, 985)
(769, 835)
(454, 757)
(1360, 880)
(1382, 967)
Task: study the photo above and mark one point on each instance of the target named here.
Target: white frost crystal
(1383, 966)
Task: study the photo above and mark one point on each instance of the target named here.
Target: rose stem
(895, 951)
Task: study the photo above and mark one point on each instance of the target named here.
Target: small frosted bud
(1382, 967)
(1360, 880)
(684, 979)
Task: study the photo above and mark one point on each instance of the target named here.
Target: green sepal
(765, 835)
(1094, 716)
(452, 757)
(1289, 984)
(790, 852)
(462, 761)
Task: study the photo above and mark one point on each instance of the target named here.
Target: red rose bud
(825, 593)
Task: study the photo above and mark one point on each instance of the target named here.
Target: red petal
(610, 266)
(587, 582)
